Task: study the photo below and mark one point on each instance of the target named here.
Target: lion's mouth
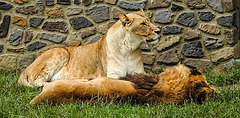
(153, 40)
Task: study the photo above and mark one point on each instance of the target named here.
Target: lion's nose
(157, 31)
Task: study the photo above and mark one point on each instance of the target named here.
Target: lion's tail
(23, 80)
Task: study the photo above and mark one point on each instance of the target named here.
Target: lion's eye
(144, 24)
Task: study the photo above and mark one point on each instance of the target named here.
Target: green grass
(14, 101)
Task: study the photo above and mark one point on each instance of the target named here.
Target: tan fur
(174, 85)
(116, 54)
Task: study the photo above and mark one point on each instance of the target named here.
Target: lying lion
(174, 85)
(115, 55)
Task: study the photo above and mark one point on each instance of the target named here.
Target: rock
(26, 60)
(206, 15)
(92, 40)
(20, 1)
(73, 40)
(27, 10)
(145, 47)
(60, 26)
(132, 5)
(4, 27)
(36, 45)
(209, 28)
(103, 28)
(116, 12)
(49, 2)
(73, 11)
(20, 21)
(147, 68)
(148, 58)
(76, 1)
(193, 49)
(222, 54)
(98, 13)
(64, 2)
(168, 42)
(1, 48)
(187, 19)
(170, 57)
(231, 64)
(225, 21)
(52, 37)
(5, 6)
(197, 63)
(212, 43)
(231, 36)
(163, 16)
(158, 69)
(236, 19)
(113, 2)
(8, 62)
(191, 34)
(35, 21)
(158, 3)
(176, 7)
(86, 2)
(229, 5)
(39, 2)
(215, 5)
(54, 12)
(172, 30)
(16, 50)
(236, 50)
(28, 36)
(97, 1)
(80, 22)
(88, 32)
(16, 37)
(195, 4)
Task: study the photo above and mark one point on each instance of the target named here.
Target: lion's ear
(141, 10)
(125, 20)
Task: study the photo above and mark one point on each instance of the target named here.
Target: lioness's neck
(118, 38)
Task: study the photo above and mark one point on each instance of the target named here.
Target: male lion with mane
(174, 85)
(115, 55)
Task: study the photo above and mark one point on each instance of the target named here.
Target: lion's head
(140, 26)
(198, 88)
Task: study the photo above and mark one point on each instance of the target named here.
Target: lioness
(116, 54)
(174, 85)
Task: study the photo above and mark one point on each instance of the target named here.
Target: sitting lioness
(115, 55)
(174, 85)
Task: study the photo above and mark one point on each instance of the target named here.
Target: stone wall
(193, 32)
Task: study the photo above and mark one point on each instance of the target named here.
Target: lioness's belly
(77, 72)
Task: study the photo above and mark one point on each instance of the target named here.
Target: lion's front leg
(44, 67)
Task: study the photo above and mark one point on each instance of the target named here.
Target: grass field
(14, 101)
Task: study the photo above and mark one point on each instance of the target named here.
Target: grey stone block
(206, 15)
(36, 45)
(16, 37)
(132, 5)
(98, 13)
(172, 30)
(35, 21)
(80, 22)
(187, 19)
(226, 21)
(212, 43)
(215, 5)
(52, 37)
(163, 17)
(193, 49)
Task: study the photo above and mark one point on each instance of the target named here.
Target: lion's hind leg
(44, 67)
